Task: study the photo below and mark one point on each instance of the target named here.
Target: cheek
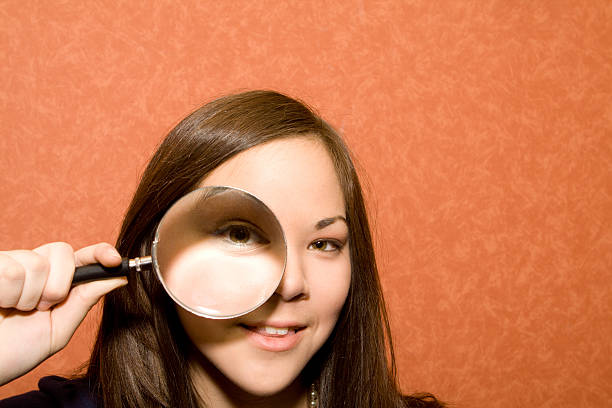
(219, 341)
(329, 289)
(203, 331)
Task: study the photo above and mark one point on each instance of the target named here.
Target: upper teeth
(276, 330)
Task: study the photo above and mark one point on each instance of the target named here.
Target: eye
(242, 235)
(239, 234)
(325, 245)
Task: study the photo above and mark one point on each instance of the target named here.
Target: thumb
(66, 316)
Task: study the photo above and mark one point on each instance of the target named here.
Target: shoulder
(55, 392)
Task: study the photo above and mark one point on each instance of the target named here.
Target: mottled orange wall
(483, 130)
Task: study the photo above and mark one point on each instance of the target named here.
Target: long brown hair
(141, 354)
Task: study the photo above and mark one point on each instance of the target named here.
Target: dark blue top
(55, 392)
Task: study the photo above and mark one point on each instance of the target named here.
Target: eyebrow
(328, 221)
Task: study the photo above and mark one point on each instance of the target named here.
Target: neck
(216, 390)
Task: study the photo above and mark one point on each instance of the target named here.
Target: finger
(103, 253)
(67, 316)
(36, 272)
(61, 270)
(12, 278)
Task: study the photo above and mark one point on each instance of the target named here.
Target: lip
(274, 342)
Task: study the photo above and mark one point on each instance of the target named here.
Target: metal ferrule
(137, 263)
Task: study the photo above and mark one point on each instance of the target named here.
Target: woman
(151, 353)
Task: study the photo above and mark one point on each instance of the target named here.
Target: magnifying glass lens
(219, 252)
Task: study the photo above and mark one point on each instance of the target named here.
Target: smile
(272, 338)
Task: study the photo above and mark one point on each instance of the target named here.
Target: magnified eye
(242, 235)
(239, 234)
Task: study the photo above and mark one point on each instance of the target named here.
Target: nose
(293, 285)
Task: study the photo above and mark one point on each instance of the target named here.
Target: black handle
(96, 272)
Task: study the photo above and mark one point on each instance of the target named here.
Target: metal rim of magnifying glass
(178, 301)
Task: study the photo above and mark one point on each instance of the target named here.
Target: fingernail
(43, 306)
(112, 253)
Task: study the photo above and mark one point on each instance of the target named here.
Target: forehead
(288, 175)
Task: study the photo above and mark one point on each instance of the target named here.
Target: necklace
(313, 397)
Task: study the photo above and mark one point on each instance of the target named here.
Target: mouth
(274, 338)
(273, 331)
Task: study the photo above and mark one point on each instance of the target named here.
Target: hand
(39, 312)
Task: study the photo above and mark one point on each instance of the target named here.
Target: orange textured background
(483, 130)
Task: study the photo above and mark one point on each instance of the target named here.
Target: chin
(266, 389)
(263, 380)
(254, 379)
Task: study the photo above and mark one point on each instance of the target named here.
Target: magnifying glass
(218, 251)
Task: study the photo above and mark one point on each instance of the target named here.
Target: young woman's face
(264, 351)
